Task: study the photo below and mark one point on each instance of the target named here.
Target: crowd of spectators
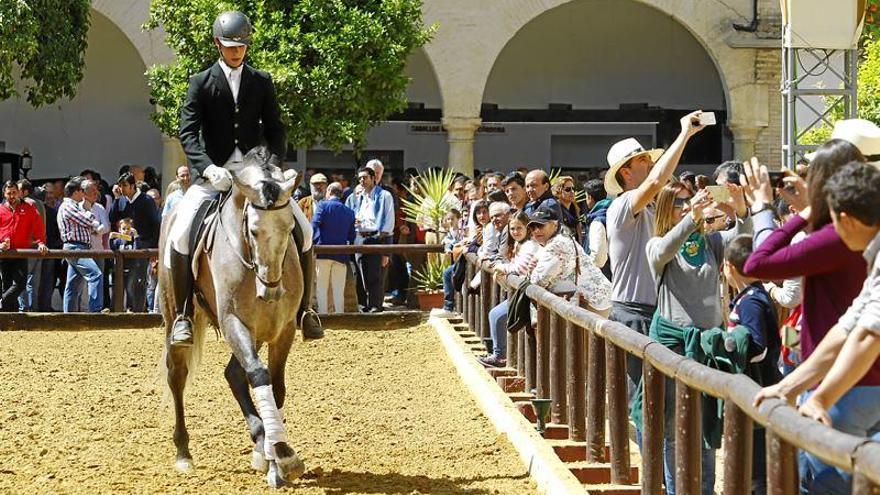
(782, 266)
(84, 213)
(765, 271)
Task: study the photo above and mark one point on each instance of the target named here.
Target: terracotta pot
(430, 300)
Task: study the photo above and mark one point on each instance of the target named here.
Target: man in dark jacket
(230, 108)
(141, 209)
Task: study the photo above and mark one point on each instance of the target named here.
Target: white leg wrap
(304, 223)
(273, 423)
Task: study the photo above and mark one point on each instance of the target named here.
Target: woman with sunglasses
(562, 266)
(686, 264)
(563, 190)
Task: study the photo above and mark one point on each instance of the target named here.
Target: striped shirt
(76, 224)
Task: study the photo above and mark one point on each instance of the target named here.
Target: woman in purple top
(833, 275)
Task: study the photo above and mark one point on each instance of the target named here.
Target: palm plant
(428, 203)
(430, 277)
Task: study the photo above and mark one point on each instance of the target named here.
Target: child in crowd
(453, 233)
(124, 240)
(753, 309)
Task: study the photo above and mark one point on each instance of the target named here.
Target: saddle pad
(202, 231)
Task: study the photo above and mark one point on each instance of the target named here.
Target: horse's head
(268, 219)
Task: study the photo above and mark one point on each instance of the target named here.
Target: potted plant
(428, 202)
(429, 283)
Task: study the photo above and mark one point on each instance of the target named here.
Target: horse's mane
(260, 170)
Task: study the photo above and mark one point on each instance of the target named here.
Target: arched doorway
(106, 125)
(584, 74)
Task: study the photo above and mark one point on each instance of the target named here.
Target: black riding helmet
(233, 28)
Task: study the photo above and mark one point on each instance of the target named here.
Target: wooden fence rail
(577, 359)
(119, 257)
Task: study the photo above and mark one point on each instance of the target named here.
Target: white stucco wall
(579, 54)
(106, 125)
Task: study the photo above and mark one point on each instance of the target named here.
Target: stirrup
(185, 342)
(302, 317)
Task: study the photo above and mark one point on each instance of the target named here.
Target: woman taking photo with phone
(686, 264)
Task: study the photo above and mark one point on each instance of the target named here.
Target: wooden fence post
(576, 381)
(738, 443)
(559, 409)
(688, 439)
(595, 398)
(653, 426)
(542, 353)
(618, 412)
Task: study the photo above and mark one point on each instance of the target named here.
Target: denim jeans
(14, 277)
(856, 413)
(77, 270)
(448, 290)
(46, 287)
(27, 300)
(498, 329)
(136, 285)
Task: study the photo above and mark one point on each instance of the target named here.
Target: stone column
(745, 137)
(172, 157)
(460, 133)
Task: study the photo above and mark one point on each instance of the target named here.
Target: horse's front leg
(275, 446)
(278, 352)
(238, 383)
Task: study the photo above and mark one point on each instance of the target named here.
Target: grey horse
(248, 285)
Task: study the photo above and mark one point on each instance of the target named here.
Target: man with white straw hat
(636, 176)
(863, 134)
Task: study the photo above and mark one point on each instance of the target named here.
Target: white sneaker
(443, 313)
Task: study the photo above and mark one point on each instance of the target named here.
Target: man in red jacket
(20, 228)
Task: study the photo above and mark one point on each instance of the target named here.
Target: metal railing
(119, 258)
(577, 359)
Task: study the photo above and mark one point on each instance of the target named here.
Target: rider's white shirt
(233, 77)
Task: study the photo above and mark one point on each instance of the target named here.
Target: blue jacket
(333, 224)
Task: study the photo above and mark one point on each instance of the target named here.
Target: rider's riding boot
(182, 282)
(309, 322)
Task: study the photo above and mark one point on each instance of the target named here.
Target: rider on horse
(229, 109)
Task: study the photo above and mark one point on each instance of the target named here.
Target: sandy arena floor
(370, 412)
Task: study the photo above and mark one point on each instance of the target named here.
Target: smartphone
(720, 194)
(776, 178)
(707, 118)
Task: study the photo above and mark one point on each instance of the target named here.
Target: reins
(249, 262)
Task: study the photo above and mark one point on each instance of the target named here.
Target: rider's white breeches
(185, 210)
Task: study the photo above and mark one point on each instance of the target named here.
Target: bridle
(248, 260)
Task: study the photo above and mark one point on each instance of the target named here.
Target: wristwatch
(763, 207)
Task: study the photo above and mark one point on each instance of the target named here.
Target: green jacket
(705, 347)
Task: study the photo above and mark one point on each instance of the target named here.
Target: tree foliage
(43, 43)
(337, 64)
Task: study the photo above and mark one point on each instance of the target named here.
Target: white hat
(620, 153)
(318, 179)
(863, 134)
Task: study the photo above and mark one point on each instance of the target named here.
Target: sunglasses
(568, 189)
(680, 202)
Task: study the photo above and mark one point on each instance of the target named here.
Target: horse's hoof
(290, 466)
(273, 476)
(259, 462)
(184, 466)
